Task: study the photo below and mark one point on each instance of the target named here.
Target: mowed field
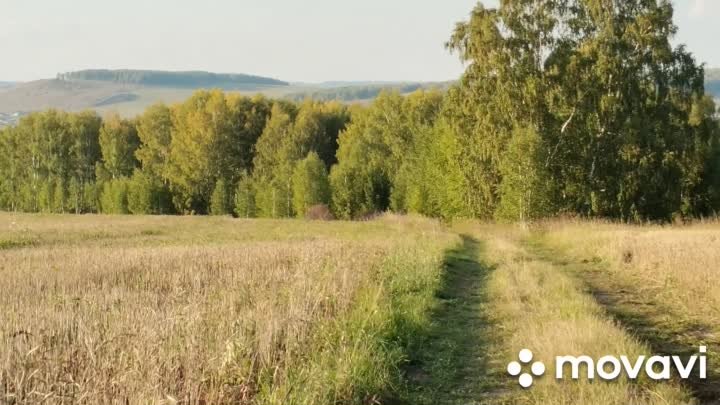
(397, 310)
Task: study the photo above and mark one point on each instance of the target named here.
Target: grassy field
(134, 310)
(397, 311)
(541, 306)
(571, 289)
(661, 282)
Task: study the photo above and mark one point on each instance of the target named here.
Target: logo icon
(515, 368)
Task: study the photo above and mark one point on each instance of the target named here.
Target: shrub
(319, 212)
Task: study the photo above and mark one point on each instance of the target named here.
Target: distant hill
(363, 91)
(712, 82)
(71, 96)
(355, 83)
(130, 92)
(171, 79)
(127, 92)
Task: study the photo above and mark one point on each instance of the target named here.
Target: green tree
(150, 188)
(201, 137)
(154, 129)
(146, 195)
(606, 92)
(273, 164)
(220, 199)
(373, 150)
(84, 153)
(60, 195)
(118, 142)
(274, 198)
(526, 192)
(432, 175)
(273, 147)
(289, 136)
(310, 184)
(114, 197)
(44, 156)
(245, 197)
(335, 117)
(12, 170)
(248, 119)
(45, 196)
(346, 194)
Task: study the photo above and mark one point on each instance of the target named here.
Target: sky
(292, 40)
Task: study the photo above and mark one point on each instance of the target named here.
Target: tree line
(172, 79)
(364, 92)
(578, 107)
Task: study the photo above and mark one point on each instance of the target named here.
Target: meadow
(138, 310)
(396, 310)
(661, 282)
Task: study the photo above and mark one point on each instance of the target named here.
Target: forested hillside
(170, 79)
(583, 111)
(366, 92)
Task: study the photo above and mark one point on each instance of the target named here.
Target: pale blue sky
(294, 40)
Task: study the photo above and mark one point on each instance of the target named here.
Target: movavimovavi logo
(610, 368)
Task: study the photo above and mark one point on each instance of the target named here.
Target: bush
(319, 212)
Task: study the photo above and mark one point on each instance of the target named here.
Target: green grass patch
(7, 244)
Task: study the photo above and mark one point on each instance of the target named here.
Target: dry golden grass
(538, 305)
(674, 267)
(163, 310)
(152, 310)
